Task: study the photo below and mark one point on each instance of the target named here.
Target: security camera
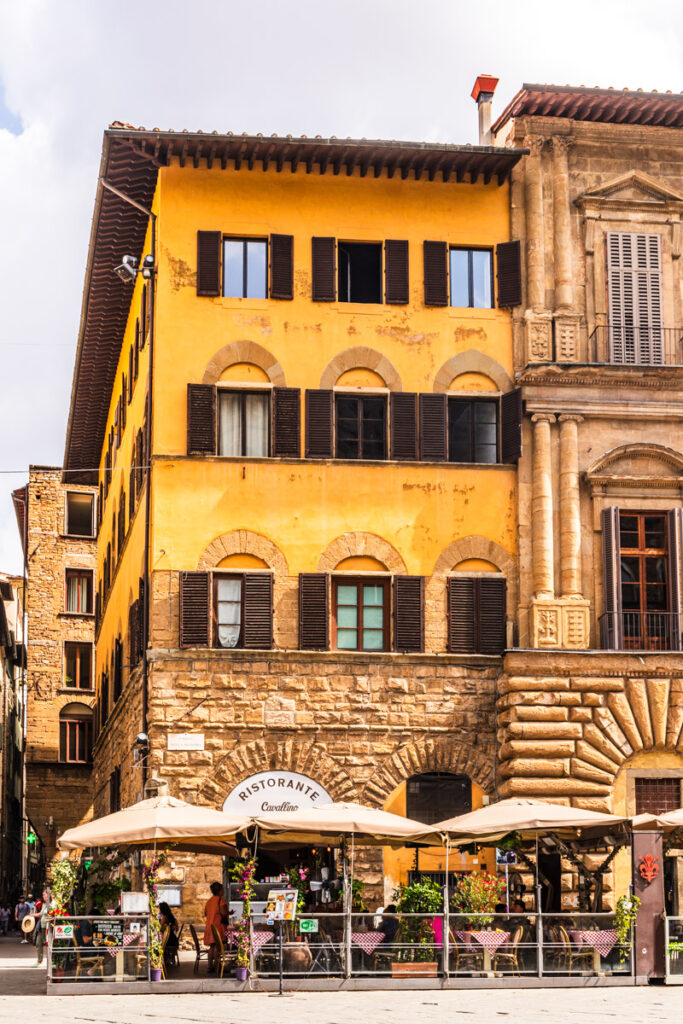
(127, 270)
(141, 739)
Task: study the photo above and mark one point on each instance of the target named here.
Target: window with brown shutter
(124, 389)
(471, 278)
(209, 245)
(243, 610)
(194, 609)
(144, 315)
(476, 614)
(282, 266)
(511, 426)
(201, 419)
(403, 426)
(314, 631)
(409, 614)
(131, 365)
(435, 257)
(509, 273)
(323, 254)
(396, 273)
(286, 423)
(361, 613)
(433, 432)
(318, 444)
(245, 268)
(258, 610)
(635, 298)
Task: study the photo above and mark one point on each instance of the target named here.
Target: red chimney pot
(484, 83)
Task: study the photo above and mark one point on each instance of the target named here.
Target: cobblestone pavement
(22, 998)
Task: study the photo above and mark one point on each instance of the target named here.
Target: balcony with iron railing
(613, 344)
(640, 631)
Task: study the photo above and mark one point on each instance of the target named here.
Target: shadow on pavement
(18, 976)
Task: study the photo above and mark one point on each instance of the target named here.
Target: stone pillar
(562, 225)
(542, 508)
(570, 515)
(534, 225)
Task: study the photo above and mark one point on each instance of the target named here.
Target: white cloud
(382, 68)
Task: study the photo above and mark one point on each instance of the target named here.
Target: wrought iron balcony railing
(641, 631)
(616, 345)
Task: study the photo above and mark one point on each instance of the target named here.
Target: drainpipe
(151, 280)
(482, 94)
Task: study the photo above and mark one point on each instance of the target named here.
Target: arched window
(437, 796)
(75, 733)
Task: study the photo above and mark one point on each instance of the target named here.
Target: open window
(79, 591)
(78, 665)
(360, 272)
(361, 426)
(473, 430)
(75, 734)
(226, 610)
(80, 521)
(243, 423)
(245, 268)
(471, 278)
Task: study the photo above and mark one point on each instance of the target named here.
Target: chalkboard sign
(107, 931)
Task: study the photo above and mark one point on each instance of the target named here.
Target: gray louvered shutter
(194, 609)
(319, 424)
(612, 625)
(314, 615)
(635, 298)
(674, 518)
(257, 629)
(509, 273)
(396, 273)
(403, 426)
(511, 426)
(281, 266)
(433, 430)
(201, 419)
(209, 245)
(461, 628)
(409, 614)
(490, 614)
(324, 270)
(435, 261)
(286, 422)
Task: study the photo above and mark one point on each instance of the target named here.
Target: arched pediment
(638, 461)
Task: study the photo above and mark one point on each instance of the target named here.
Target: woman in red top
(216, 914)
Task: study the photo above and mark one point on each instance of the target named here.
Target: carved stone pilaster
(539, 337)
(560, 624)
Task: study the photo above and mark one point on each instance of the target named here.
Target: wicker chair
(465, 952)
(200, 954)
(91, 964)
(573, 956)
(221, 955)
(509, 954)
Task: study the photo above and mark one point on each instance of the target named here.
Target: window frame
(72, 572)
(382, 268)
(242, 392)
(216, 576)
(360, 580)
(469, 249)
(244, 239)
(478, 399)
(77, 687)
(93, 501)
(75, 725)
(360, 396)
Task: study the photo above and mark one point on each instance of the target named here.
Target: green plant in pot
(421, 897)
(624, 921)
(63, 883)
(243, 872)
(150, 877)
(474, 898)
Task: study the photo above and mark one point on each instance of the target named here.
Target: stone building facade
(13, 848)
(57, 526)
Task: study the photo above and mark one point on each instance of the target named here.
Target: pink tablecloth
(260, 938)
(489, 940)
(368, 941)
(603, 940)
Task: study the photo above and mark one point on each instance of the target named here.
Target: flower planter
(155, 973)
(57, 975)
(241, 973)
(424, 969)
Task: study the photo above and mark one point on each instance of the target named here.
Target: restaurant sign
(273, 791)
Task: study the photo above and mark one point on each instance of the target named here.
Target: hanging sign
(281, 905)
(273, 791)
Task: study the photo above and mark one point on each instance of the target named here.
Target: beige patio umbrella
(161, 820)
(530, 818)
(328, 823)
(668, 821)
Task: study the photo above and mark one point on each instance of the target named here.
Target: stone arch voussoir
(243, 542)
(357, 544)
(361, 356)
(480, 547)
(443, 754)
(472, 361)
(244, 352)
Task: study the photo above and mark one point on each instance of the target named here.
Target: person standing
(20, 912)
(41, 930)
(4, 919)
(216, 914)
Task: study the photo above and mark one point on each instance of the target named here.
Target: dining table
(490, 941)
(601, 941)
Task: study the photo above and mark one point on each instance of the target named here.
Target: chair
(509, 953)
(466, 952)
(90, 963)
(221, 956)
(571, 956)
(200, 954)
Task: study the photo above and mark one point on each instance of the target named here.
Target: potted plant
(242, 872)
(418, 958)
(150, 876)
(474, 898)
(64, 877)
(624, 920)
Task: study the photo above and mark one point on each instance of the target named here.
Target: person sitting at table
(500, 922)
(389, 925)
(216, 913)
(168, 920)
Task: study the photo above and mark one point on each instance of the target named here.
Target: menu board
(135, 902)
(107, 931)
(281, 905)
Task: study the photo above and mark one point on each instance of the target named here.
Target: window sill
(260, 459)
(78, 536)
(74, 691)
(76, 615)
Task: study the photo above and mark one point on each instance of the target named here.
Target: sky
(395, 69)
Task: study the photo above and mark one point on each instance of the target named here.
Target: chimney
(483, 91)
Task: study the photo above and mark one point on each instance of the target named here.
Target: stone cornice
(599, 133)
(601, 375)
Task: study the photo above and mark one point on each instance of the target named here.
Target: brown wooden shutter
(132, 635)
(281, 266)
(509, 273)
(209, 244)
(612, 626)
(123, 402)
(257, 628)
(409, 623)
(286, 423)
(142, 619)
(435, 258)
(433, 432)
(461, 627)
(318, 425)
(674, 519)
(194, 609)
(201, 419)
(131, 366)
(490, 612)
(314, 616)
(143, 316)
(323, 253)
(511, 426)
(403, 426)
(396, 274)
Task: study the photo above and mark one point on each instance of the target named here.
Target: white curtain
(257, 425)
(229, 611)
(230, 423)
